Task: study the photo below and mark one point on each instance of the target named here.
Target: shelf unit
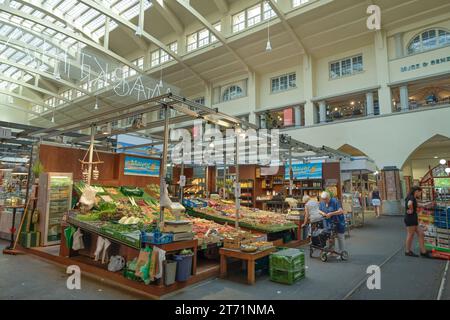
(54, 200)
(247, 192)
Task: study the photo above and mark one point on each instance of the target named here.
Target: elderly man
(332, 211)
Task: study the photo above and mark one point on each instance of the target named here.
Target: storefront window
(280, 118)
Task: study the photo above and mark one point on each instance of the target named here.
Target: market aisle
(27, 277)
(377, 241)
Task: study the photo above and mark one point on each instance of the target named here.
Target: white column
(297, 116)
(369, 103)
(399, 50)
(308, 87)
(404, 98)
(322, 112)
(382, 63)
(253, 95)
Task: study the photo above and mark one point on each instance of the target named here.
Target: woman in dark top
(376, 201)
(412, 224)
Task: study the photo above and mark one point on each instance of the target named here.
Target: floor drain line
(348, 295)
(444, 279)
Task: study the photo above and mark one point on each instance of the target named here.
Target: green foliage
(37, 168)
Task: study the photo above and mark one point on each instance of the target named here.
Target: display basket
(156, 237)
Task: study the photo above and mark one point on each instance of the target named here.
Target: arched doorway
(359, 176)
(425, 157)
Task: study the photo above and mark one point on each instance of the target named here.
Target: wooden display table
(249, 257)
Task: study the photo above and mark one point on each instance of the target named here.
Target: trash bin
(170, 270)
(184, 266)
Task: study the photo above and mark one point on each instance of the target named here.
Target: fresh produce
(131, 191)
(153, 190)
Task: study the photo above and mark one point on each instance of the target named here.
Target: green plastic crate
(288, 260)
(286, 277)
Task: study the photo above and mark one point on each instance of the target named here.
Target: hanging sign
(135, 166)
(304, 171)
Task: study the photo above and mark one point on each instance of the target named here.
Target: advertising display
(305, 171)
(135, 166)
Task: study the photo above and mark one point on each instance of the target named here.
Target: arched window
(232, 92)
(428, 40)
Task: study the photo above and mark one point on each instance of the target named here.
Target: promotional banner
(135, 166)
(304, 171)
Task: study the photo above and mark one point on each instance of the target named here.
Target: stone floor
(380, 243)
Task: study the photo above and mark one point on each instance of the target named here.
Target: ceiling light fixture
(138, 31)
(443, 162)
(268, 44)
(96, 103)
(447, 170)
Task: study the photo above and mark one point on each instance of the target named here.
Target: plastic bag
(78, 243)
(165, 200)
(68, 234)
(116, 263)
(87, 199)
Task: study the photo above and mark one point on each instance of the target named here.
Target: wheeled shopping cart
(323, 240)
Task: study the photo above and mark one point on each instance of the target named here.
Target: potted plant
(37, 169)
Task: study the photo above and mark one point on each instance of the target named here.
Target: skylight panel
(36, 42)
(8, 52)
(5, 30)
(26, 9)
(86, 17)
(96, 23)
(66, 5)
(76, 11)
(27, 37)
(16, 34)
(123, 5)
(38, 14)
(15, 4)
(27, 24)
(17, 56)
(27, 77)
(16, 19)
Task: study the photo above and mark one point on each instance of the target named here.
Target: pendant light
(53, 115)
(160, 76)
(268, 44)
(96, 103)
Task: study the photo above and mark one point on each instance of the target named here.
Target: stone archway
(426, 156)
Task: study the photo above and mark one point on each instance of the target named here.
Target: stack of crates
(442, 223)
(287, 266)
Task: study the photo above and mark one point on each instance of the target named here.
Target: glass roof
(19, 37)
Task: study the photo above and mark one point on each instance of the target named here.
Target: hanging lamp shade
(268, 46)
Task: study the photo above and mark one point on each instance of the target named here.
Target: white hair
(306, 198)
(325, 195)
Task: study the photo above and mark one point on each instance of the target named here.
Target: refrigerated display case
(55, 199)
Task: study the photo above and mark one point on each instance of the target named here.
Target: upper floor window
(297, 3)
(139, 62)
(284, 82)
(346, 67)
(232, 92)
(429, 40)
(200, 100)
(252, 16)
(160, 56)
(202, 38)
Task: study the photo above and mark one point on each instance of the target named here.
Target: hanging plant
(37, 169)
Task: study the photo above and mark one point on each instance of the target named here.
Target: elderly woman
(312, 211)
(332, 211)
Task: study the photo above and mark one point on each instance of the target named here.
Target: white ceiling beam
(169, 16)
(22, 97)
(12, 106)
(138, 40)
(41, 36)
(222, 5)
(32, 87)
(51, 13)
(282, 16)
(124, 22)
(71, 34)
(217, 34)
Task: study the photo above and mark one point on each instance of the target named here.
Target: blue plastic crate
(156, 237)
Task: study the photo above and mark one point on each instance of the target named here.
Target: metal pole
(225, 195)
(206, 193)
(163, 162)
(30, 163)
(291, 182)
(237, 190)
(91, 154)
(182, 187)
